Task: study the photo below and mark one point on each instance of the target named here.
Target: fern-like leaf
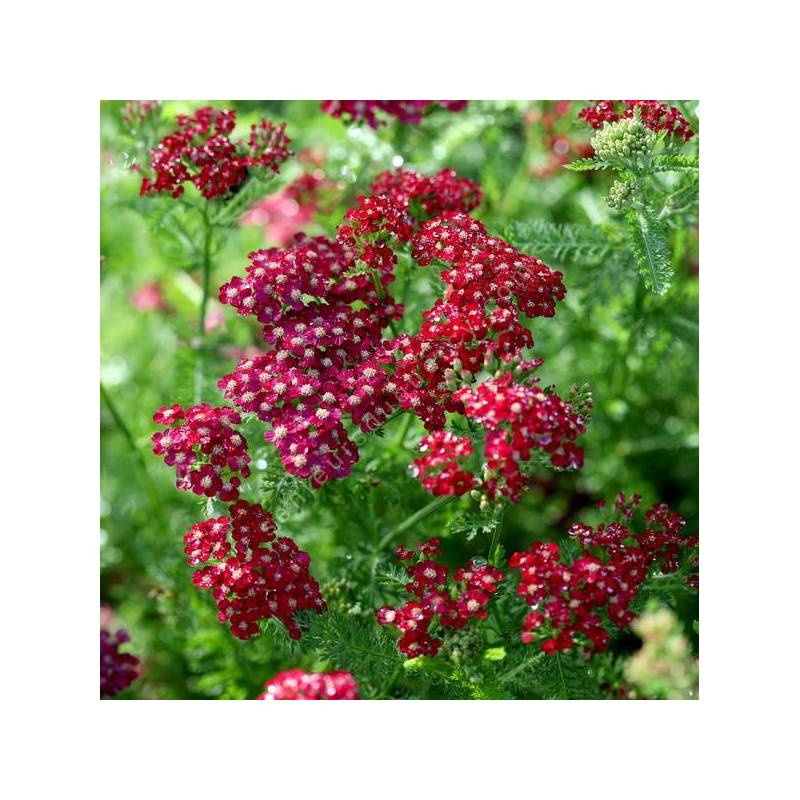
(564, 243)
(359, 646)
(648, 242)
(672, 162)
(586, 164)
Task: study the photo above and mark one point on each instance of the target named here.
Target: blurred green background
(637, 351)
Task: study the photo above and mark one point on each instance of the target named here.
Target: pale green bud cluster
(625, 140)
(664, 667)
(621, 195)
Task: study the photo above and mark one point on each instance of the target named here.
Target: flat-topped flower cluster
(572, 598)
(201, 152)
(440, 601)
(655, 115)
(251, 574)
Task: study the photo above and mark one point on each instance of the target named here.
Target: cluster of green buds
(463, 646)
(480, 497)
(580, 398)
(627, 140)
(664, 667)
(621, 195)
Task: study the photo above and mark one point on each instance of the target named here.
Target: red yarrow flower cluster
(251, 574)
(298, 685)
(409, 112)
(439, 601)
(210, 457)
(323, 306)
(438, 469)
(517, 419)
(117, 670)
(573, 599)
(200, 152)
(654, 114)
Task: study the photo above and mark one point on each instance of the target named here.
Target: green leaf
(669, 162)
(565, 243)
(648, 242)
(495, 654)
(586, 164)
(354, 644)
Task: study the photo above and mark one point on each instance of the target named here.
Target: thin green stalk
(199, 375)
(403, 432)
(496, 533)
(382, 297)
(423, 513)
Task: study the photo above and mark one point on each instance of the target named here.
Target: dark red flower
(117, 670)
(576, 597)
(409, 112)
(654, 114)
(201, 152)
(252, 574)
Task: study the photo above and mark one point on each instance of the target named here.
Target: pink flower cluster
(117, 670)
(135, 112)
(201, 152)
(298, 685)
(574, 598)
(206, 451)
(554, 121)
(449, 604)
(283, 214)
(320, 366)
(251, 574)
(517, 419)
(409, 112)
(654, 114)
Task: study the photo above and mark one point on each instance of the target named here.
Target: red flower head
(201, 152)
(298, 685)
(252, 574)
(208, 454)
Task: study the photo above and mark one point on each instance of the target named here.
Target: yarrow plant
(208, 454)
(381, 383)
(118, 670)
(298, 685)
(409, 112)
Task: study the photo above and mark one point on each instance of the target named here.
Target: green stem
(520, 179)
(403, 432)
(199, 375)
(382, 297)
(633, 336)
(496, 533)
(147, 482)
(423, 513)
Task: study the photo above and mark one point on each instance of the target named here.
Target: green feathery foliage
(648, 241)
